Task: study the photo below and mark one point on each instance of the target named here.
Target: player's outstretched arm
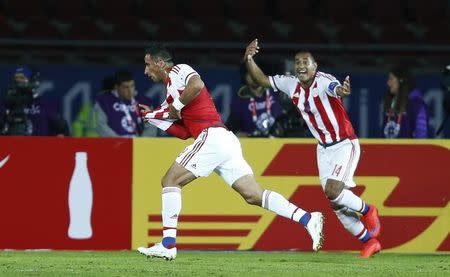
(253, 69)
(344, 89)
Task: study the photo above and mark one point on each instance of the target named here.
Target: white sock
(171, 208)
(348, 199)
(350, 220)
(276, 203)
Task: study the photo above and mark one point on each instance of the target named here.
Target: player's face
(305, 67)
(152, 69)
(393, 83)
(126, 89)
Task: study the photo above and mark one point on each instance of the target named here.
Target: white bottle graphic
(80, 200)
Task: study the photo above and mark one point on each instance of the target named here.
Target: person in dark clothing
(404, 109)
(254, 111)
(25, 113)
(116, 110)
(258, 112)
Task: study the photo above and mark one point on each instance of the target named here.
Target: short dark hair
(122, 76)
(159, 50)
(307, 52)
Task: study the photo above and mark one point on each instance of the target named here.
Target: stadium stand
(324, 24)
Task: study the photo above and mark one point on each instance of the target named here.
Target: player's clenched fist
(251, 49)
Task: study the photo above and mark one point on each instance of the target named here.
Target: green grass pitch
(219, 263)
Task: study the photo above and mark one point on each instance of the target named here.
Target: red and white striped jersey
(320, 106)
(201, 112)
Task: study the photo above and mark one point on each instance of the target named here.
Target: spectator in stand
(255, 110)
(117, 111)
(405, 112)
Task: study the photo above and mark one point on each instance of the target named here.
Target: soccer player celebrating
(318, 97)
(188, 111)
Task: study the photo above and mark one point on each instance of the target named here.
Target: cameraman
(257, 112)
(25, 113)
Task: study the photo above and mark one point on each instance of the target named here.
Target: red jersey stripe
(345, 126)
(169, 99)
(325, 119)
(312, 119)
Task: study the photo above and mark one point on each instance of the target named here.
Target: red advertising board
(35, 174)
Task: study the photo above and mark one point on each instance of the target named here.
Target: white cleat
(159, 251)
(315, 230)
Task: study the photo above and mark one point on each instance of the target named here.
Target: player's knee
(167, 181)
(333, 188)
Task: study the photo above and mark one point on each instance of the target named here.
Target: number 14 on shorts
(336, 170)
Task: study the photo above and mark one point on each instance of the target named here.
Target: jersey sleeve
(330, 84)
(283, 83)
(185, 72)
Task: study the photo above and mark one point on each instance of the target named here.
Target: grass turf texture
(211, 263)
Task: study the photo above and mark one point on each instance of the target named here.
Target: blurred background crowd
(75, 68)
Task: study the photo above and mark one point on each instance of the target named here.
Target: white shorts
(338, 162)
(215, 149)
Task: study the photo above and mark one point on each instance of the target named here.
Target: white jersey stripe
(319, 121)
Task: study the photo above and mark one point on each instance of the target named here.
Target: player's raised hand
(345, 89)
(251, 49)
(346, 86)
